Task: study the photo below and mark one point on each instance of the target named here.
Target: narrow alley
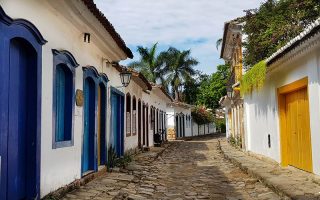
(192, 169)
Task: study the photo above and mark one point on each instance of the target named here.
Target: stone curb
(292, 188)
(251, 172)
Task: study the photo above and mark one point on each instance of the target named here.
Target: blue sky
(184, 24)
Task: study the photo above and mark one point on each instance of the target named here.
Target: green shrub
(201, 116)
(115, 161)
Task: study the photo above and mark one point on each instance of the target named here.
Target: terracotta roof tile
(108, 26)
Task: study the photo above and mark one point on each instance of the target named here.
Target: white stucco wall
(185, 111)
(261, 108)
(131, 142)
(61, 166)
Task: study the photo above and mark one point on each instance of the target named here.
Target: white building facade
(282, 119)
(68, 107)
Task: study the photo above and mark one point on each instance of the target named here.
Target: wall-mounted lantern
(125, 77)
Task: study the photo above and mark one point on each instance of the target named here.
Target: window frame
(134, 116)
(128, 114)
(66, 58)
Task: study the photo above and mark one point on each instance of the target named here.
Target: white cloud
(178, 23)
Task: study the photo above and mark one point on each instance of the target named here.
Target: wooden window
(128, 115)
(152, 118)
(63, 98)
(63, 103)
(134, 116)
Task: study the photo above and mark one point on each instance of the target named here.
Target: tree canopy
(213, 88)
(150, 63)
(275, 23)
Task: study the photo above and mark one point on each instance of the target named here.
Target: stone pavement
(193, 169)
(290, 182)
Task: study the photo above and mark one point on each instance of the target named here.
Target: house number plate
(79, 98)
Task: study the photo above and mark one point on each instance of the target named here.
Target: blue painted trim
(66, 58)
(104, 80)
(91, 72)
(24, 29)
(4, 18)
(114, 91)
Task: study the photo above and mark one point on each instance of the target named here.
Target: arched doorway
(117, 121)
(102, 120)
(88, 149)
(147, 125)
(177, 126)
(143, 124)
(20, 108)
(139, 124)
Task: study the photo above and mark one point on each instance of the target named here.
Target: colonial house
(231, 52)
(282, 118)
(180, 123)
(63, 102)
(179, 120)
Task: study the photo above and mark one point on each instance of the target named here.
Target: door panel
(298, 130)
(117, 114)
(102, 125)
(99, 126)
(22, 123)
(89, 126)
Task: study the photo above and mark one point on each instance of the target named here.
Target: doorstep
(290, 183)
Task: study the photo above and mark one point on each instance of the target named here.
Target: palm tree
(178, 67)
(149, 64)
(218, 43)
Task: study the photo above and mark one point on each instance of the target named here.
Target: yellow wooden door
(298, 130)
(99, 127)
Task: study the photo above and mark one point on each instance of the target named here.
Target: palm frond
(218, 43)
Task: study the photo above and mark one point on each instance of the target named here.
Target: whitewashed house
(70, 105)
(282, 119)
(179, 120)
(180, 123)
(63, 104)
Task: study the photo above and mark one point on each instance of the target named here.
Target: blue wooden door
(102, 125)
(22, 120)
(115, 121)
(117, 116)
(88, 149)
(20, 108)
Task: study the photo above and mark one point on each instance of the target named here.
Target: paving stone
(193, 169)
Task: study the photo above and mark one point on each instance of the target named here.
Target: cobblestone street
(185, 170)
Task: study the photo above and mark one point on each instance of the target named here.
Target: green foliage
(220, 125)
(213, 88)
(201, 116)
(254, 78)
(235, 141)
(178, 67)
(150, 63)
(192, 87)
(112, 157)
(275, 23)
(114, 161)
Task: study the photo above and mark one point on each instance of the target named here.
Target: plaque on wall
(79, 98)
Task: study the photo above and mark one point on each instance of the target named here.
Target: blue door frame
(89, 142)
(103, 117)
(91, 81)
(117, 120)
(20, 101)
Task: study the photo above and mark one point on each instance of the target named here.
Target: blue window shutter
(60, 103)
